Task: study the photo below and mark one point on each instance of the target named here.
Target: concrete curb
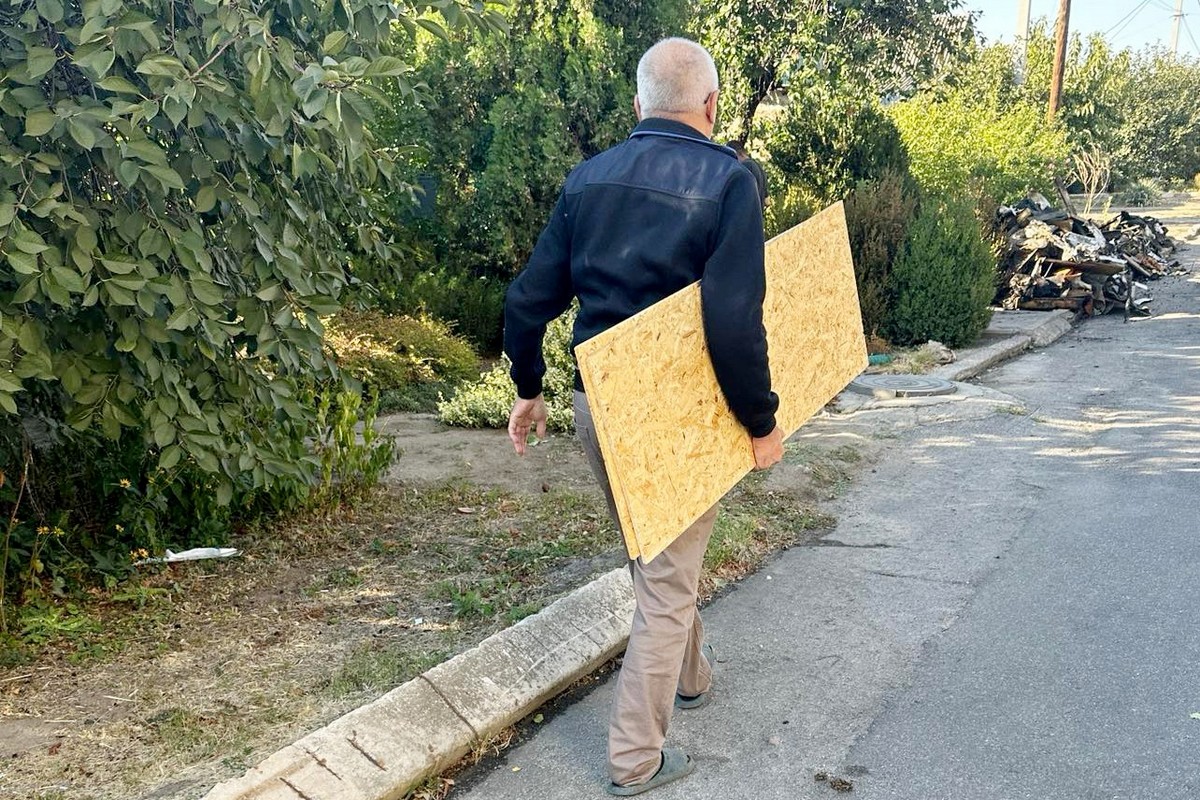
(383, 749)
(971, 363)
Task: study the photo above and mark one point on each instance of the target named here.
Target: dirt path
(430, 452)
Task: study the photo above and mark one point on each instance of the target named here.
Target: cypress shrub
(877, 215)
(944, 277)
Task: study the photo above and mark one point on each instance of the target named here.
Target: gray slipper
(676, 764)
(701, 699)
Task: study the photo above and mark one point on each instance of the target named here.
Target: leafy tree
(1160, 132)
(1136, 107)
(878, 47)
(957, 145)
(182, 186)
(827, 142)
(509, 117)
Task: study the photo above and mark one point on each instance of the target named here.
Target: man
(760, 177)
(633, 225)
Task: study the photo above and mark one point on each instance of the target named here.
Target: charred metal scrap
(1051, 259)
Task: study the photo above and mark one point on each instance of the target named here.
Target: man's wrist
(529, 390)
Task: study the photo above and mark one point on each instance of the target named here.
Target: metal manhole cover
(902, 385)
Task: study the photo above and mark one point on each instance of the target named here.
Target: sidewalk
(418, 729)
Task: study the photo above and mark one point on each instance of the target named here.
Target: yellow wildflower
(124, 483)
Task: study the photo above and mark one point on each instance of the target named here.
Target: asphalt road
(1007, 609)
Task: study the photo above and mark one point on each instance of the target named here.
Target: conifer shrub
(943, 278)
(878, 214)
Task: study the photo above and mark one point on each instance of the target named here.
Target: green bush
(405, 361)
(877, 215)
(487, 404)
(825, 145)
(473, 304)
(182, 186)
(789, 206)
(943, 278)
(84, 508)
(1145, 192)
(958, 142)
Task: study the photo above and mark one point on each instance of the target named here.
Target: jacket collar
(671, 129)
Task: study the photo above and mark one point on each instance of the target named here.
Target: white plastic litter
(195, 554)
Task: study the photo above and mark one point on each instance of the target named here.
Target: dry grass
(232, 660)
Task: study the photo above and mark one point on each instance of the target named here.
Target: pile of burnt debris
(1052, 258)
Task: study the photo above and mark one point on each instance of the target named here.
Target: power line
(1125, 20)
(1188, 28)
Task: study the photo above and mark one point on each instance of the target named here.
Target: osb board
(671, 446)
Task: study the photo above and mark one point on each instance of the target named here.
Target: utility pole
(1060, 56)
(1023, 39)
(1175, 20)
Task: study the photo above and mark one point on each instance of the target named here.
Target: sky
(1126, 23)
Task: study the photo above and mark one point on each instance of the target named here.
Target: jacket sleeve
(540, 293)
(731, 294)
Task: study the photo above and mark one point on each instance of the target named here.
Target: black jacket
(636, 223)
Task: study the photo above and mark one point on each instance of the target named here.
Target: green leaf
(269, 293)
(30, 337)
(146, 150)
(206, 199)
(40, 122)
(95, 59)
(28, 241)
(175, 110)
(115, 83)
(433, 27)
(386, 67)
(335, 42)
(84, 135)
(51, 10)
(26, 291)
(69, 279)
(224, 493)
(71, 379)
(8, 403)
(119, 267)
(118, 295)
(208, 293)
(162, 66)
(23, 263)
(168, 177)
(133, 283)
(182, 319)
(164, 434)
(10, 383)
(170, 457)
(39, 61)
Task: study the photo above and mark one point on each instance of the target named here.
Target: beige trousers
(664, 652)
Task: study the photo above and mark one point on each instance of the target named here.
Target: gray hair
(675, 76)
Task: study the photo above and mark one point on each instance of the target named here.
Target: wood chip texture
(671, 446)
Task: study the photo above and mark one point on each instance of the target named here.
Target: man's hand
(768, 450)
(525, 414)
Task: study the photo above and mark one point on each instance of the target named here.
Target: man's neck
(698, 121)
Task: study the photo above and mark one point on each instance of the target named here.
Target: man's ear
(637, 108)
(710, 108)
